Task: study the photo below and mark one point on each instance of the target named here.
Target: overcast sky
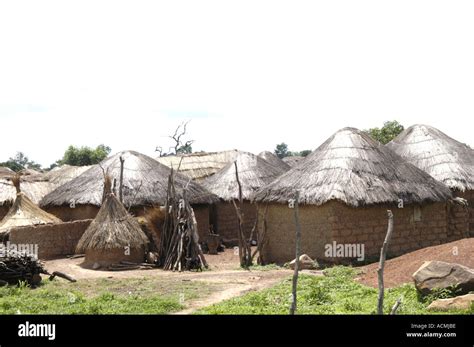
(249, 74)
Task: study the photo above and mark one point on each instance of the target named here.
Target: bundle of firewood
(179, 246)
(16, 267)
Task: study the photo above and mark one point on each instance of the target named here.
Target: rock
(441, 275)
(96, 266)
(463, 302)
(305, 263)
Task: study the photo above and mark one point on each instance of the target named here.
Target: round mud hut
(113, 236)
(254, 172)
(23, 212)
(345, 188)
(447, 160)
(144, 190)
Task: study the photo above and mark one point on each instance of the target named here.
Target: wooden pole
(297, 262)
(396, 306)
(121, 180)
(383, 255)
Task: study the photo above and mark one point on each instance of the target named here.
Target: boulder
(305, 263)
(440, 275)
(463, 302)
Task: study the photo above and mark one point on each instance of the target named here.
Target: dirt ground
(399, 270)
(223, 270)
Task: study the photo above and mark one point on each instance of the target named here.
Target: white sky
(250, 74)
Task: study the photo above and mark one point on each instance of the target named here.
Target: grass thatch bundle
(113, 228)
(199, 165)
(24, 212)
(293, 160)
(431, 150)
(273, 159)
(353, 168)
(254, 172)
(144, 184)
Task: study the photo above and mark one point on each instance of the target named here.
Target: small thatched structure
(113, 236)
(144, 187)
(345, 187)
(293, 160)
(199, 165)
(273, 159)
(254, 173)
(447, 160)
(24, 212)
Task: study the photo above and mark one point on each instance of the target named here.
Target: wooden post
(383, 255)
(245, 255)
(396, 306)
(297, 262)
(121, 180)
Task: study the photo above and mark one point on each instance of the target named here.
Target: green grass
(102, 296)
(335, 293)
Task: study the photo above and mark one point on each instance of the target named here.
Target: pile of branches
(179, 246)
(16, 267)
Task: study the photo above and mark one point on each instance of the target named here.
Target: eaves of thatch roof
(145, 183)
(351, 167)
(447, 160)
(254, 172)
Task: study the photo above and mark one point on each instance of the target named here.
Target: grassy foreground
(335, 293)
(101, 296)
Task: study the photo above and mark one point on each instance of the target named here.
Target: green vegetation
(20, 162)
(335, 293)
(281, 150)
(387, 133)
(102, 296)
(81, 156)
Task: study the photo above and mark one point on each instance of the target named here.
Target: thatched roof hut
(353, 168)
(273, 159)
(24, 212)
(113, 236)
(254, 172)
(444, 158)
(345, 187)
(293, 160)
(63, 174)
(199, 165)
(6, 172)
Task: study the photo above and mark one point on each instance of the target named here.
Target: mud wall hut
(346, 186)
(254, 172)
(447, 160)
(145, 183)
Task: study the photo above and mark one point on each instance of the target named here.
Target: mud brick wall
(67, 214)
(53, 240)
(335, 221)
(469, 196)
(458, 221)
(201, 212)
(226, 221)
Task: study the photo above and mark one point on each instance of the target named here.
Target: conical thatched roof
(6, 172)
(25, 212)
(199, 165)
(293, 160)
(145, 182)
(33, 186)
(444, 158)
(112, 228)
(254, 173)
(273, 159)
(353, 168)
(63, 174)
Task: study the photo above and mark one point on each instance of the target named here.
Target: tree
(281, 150)
(20, 162)
(179, 146)
(304, 153)
(82, 156)
(387, 133)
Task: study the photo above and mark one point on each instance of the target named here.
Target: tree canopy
(387, 133)
(82, 156)
(282, 151)
(20, 162)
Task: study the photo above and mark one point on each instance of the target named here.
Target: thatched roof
(351, 167)
(145, 183)
(254, 172)
(112, 228)
(293, 160)
(25, 212)
(273, 159)
(444, 158)
(199, 165)
(34, 187)
(63, 174)
(6, 172)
